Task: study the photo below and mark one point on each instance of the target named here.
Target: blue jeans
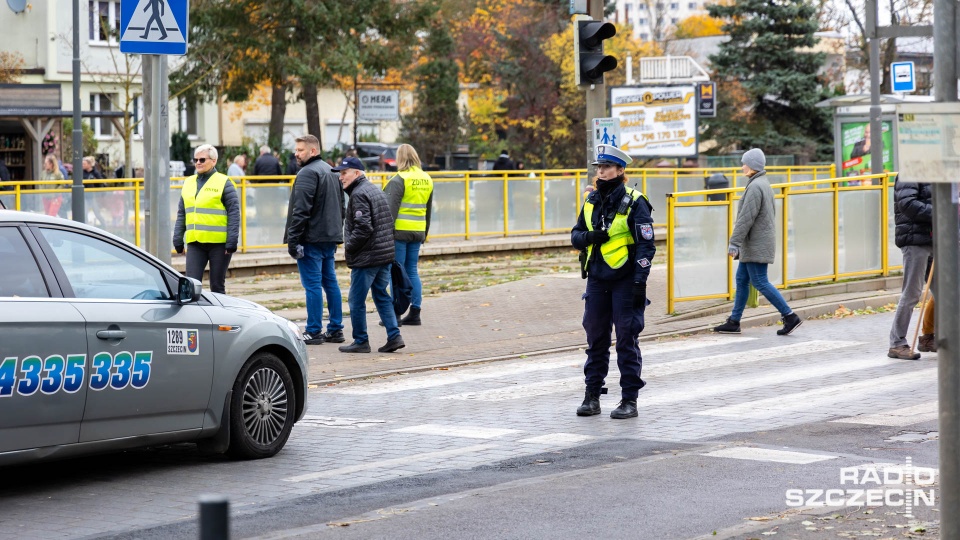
(317, 273)
(408, 254)
(756, 273)
(363, 280)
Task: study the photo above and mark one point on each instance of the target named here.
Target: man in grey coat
(754, 244)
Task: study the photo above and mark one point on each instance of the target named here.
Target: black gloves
(179, 249)
(231, 249)
(639, 295)
(292, 250)
(597, 237)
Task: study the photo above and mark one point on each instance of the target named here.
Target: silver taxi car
(104, 347)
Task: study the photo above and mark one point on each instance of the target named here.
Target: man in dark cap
(369, 250)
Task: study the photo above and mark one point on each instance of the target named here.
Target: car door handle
(112, 334)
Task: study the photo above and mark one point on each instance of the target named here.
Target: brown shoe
(928, 343)
(903, 352)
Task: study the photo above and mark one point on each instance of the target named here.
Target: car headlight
(295, 329)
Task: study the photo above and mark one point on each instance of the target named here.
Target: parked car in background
(376, 156)
(388, 159)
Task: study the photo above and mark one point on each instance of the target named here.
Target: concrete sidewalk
(543, 314)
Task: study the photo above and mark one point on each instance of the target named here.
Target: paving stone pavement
(701, 389)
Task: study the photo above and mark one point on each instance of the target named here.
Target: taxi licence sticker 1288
(183, 341)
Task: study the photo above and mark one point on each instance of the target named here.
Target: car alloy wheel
(264, 406)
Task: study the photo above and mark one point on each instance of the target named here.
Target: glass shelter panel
(810, 235)
(700, 251)
(859, 231)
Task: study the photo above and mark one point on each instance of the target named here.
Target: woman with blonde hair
(410, 194)
(51, 171)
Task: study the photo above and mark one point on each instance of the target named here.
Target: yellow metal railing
(783, 192)
(461, 198)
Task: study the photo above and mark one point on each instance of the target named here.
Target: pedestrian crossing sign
(154, 26)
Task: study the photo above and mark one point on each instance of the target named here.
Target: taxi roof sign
(154, 26)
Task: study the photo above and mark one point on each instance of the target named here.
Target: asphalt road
(728, 425)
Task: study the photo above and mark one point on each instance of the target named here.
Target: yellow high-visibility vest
(417, 188)
(615, 250)
(206, 217)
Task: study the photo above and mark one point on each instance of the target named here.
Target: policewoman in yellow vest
(410, 194)
(615, 236)
(208, 220)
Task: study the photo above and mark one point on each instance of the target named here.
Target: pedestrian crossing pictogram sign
(154, 26)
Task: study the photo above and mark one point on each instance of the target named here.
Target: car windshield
(390, 153)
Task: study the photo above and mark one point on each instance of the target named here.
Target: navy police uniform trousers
(608, 305)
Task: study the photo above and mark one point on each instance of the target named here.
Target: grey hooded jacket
(755, 233)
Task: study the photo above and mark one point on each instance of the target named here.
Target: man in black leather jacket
(314, 229)
(913, 212)
(369, 250)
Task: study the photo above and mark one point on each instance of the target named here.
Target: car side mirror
(188, 290)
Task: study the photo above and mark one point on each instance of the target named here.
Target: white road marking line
(310, 420)
(692, 392)
(558, 438)
(767, 454)
(467, 374)
(383, 464)
(905, 416)
(543, 388)
(823, 399)
(470, 432)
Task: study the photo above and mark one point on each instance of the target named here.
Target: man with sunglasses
(208, 220)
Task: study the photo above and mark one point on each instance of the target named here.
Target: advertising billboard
(855, 148)
(656, 121)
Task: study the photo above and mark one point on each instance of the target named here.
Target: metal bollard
(214, 517)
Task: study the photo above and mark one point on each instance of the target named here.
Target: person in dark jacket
(504, 163)
(208, 220)
(314, 229)
(410, 194)
(369, 250)
(615, 236)
(913, 214)
(266, 164)
(293, 165)
(4, 173)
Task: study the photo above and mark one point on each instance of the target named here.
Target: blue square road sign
(154, 26)
(903, 76)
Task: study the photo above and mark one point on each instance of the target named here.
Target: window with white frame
(642, 22)
(104, 21)
(692, 5)
(627, 15)
(644, 36)
(674, 5)
(136, 115)
(187, 116)
(102, 127)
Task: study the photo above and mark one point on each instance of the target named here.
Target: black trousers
(199, 253)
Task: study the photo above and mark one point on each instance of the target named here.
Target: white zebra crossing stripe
(923, 412)
(468, 374)
(470, 432)
(543, 388)
(768, 454)
(558, 438)
(821, 399)
(692, 392)
(386, 463)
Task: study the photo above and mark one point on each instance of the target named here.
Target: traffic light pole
(596, 96)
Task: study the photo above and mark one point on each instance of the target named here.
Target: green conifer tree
(769, 79)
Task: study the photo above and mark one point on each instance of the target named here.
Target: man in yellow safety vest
(208, 220)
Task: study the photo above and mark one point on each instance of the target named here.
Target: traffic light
(591, 63)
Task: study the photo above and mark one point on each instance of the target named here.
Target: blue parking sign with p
(154, 26)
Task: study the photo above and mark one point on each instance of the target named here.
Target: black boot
(412, 318)
(626, 409)
(591, 404)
